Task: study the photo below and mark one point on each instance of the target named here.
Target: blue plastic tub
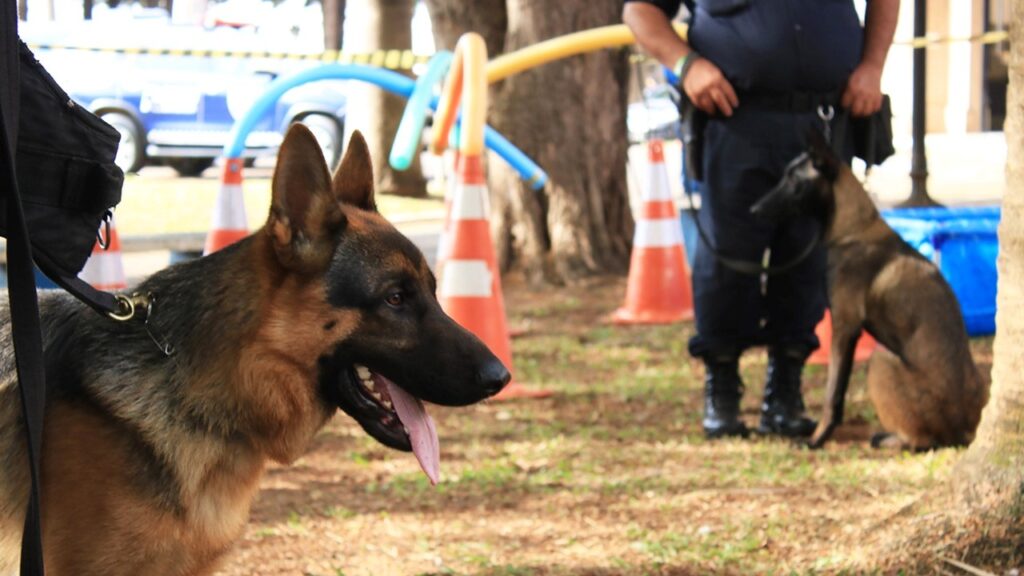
(964, 244)
(966, 255)
(943, 213)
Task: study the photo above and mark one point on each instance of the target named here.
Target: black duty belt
(788, 101)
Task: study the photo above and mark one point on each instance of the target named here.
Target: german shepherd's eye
(395, 299)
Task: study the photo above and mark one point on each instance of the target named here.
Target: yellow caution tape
(501, 67)
(391, 59)
(993, 37)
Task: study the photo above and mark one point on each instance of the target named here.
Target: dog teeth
(366, 379)
(363, 372)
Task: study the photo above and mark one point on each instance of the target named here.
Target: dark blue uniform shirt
(776, 45)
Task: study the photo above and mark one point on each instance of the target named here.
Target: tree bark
(992, 469)
(450, 19)
(569, 116)
(382, 25)
(334, 23)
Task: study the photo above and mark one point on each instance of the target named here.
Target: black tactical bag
(65, 175)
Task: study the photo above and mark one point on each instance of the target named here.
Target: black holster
(693, 121)
(872, 136)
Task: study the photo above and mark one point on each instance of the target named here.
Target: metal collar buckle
(129, 307)
(826, 112)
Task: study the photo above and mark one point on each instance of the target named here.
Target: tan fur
(94, 523)
(855, 213)
(920, 414)
(930, 394)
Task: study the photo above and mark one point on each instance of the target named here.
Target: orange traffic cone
(470, 289)
(450, 160)
(865, 345)
(659, 289)
(104, 269)
(229, 222)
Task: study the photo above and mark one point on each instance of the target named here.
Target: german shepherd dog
(924, 384)
(151, 460)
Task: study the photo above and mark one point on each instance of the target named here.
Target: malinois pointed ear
(822, 155)
(304, 215)
(353, 180)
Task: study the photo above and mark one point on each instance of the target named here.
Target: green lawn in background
(164, 204)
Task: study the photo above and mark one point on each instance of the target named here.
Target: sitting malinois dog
(924, 384)
(152, 456)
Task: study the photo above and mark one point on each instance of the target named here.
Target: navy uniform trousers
(744, 158)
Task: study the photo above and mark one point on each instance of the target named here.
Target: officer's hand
(863, 94)
(708, 89)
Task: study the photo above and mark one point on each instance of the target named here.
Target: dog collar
(132, 306)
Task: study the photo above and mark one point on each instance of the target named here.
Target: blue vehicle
(178, 110)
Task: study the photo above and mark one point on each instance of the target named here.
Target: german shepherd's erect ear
(304, 214)
(353, 180)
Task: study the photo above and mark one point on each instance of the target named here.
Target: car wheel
(328, 135)
(131, 153)
(190, 166)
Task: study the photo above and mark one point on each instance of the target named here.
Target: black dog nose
(493, 376)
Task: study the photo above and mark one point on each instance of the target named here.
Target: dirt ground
(608, 476)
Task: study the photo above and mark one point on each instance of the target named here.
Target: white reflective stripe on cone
(658, 233)
(471, 202)
(229, 213)
(657, 183)
(466, 278)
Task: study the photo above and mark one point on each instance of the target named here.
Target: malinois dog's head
(398, 346)
(806, 187)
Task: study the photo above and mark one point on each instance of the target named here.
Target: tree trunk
(450, 19)
(334, 23)
(569, 116)
(992, 469)
(382, 24)
(983, 524)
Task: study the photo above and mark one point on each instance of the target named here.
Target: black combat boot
(783, 410)
(722, 392)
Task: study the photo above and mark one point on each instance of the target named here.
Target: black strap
(28, 351)
(746, 266)
(103, 302)
(794, 102)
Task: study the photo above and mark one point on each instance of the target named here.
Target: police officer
(764, 72)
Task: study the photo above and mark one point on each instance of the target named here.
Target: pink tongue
(421, 429)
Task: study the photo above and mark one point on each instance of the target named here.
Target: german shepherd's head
(806, 187)
(398, 346)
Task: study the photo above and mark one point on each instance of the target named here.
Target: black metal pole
(919, 161)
